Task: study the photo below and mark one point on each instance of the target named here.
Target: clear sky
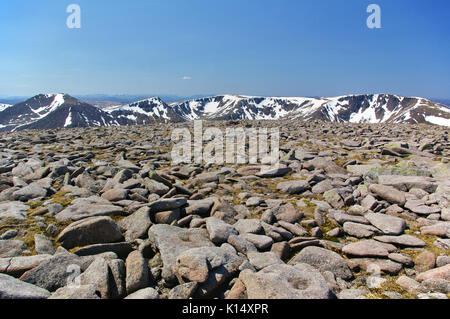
(253, 47)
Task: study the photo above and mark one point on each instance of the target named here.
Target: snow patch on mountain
(68, 121)
(438, 120)
(4, 107)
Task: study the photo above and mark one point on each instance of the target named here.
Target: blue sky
(254, 47)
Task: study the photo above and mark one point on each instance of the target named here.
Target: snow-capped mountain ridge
(47, 111)
(370, 108)
(144, 112)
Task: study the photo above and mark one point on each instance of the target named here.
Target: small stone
(9, 234)
(368, 248)
(242, 245)
(408, 284)
(402, 259)
(252, 226)
(403, 240)
(72, 292)
(167, 217)
(136, 225)
(146, 293)
(219, 231)
(14, 211)
(425, 261)
(263, 260)
(293, 187)
(29, 192)
(43, 245)
(389, 225)
(389, 194)
(137, 272)
(442, 261)
(184, 291)
(437, 273)
(360, 230)
(282, 250)
(334, 199)
(260, 241)
(115, 195)
(11, 248)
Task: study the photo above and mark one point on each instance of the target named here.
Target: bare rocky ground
(355, 211)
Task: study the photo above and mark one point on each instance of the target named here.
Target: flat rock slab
(274, 172)
(53, 273)
(16, 266)
(14, 211)
(77, 212)
(324, 260)
(252, 226)
(419, 207)
(168, 204)
(11, 248)
(200, 207)
(171, 241)
(389, 225)
(360, 230)
(263, 260)
(12, 288)
(282, 281)
(369, 248)
(437, 273)
(342, 218)
(389, 193)
(144, 294)
(378, 266)
(261, 242)
(441, 229)
(403, 240)
(29, 192)
(94, 230)
(293, 187)
(406, 183)
(74, 292)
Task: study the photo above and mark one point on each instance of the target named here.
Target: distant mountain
(445, 102)
(50, 111)
(374, 108)
(12, 99)
(144, 112)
